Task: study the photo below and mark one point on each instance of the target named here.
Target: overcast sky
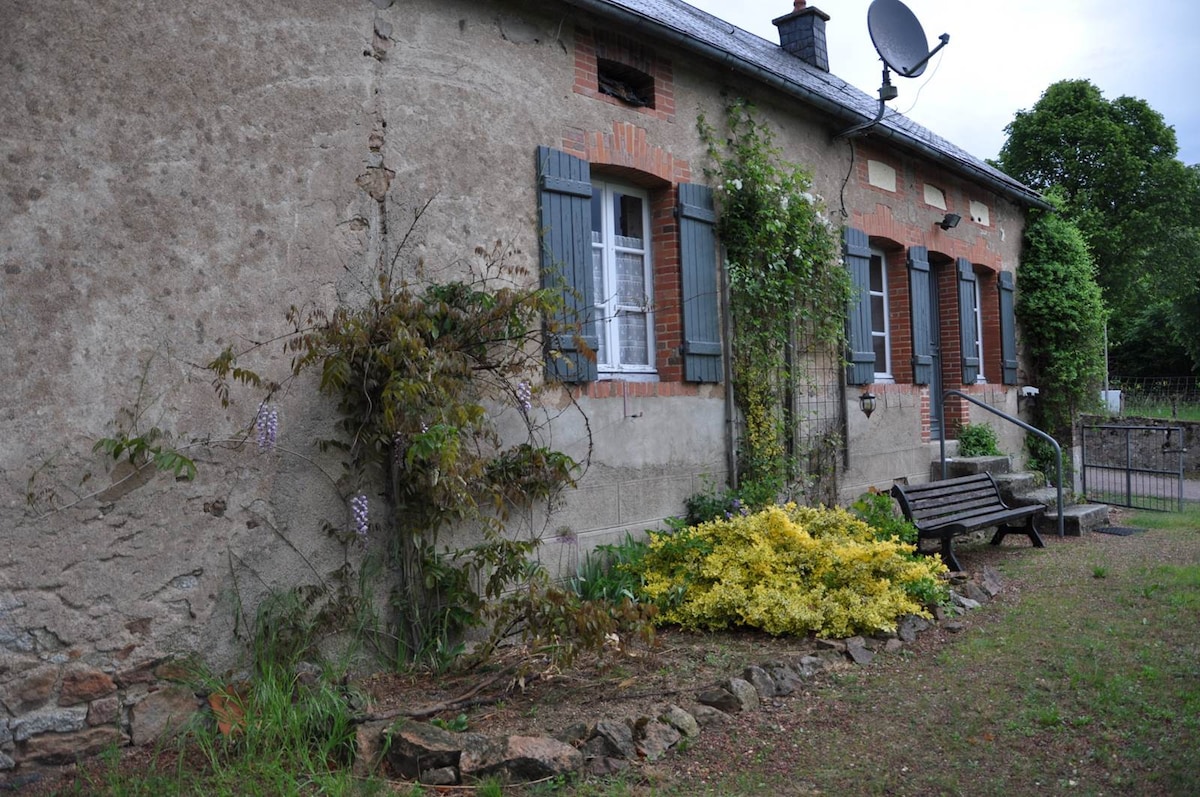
(1003, 55)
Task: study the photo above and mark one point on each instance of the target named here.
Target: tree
(1062, 316)
(1134, 202)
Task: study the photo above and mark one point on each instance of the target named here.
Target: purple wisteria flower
(362, 526)
(266, 425)
(524, 397)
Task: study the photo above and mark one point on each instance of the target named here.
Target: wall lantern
(950, 221)
(867, 402)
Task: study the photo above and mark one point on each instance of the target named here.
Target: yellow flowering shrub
(788, 570)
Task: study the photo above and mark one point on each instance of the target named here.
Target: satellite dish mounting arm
(916, 68)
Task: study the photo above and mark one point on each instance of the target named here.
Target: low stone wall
(1146, 446)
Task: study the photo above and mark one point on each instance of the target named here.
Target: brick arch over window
(683, 254)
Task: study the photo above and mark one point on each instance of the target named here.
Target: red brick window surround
(625, 153)
(617, 70)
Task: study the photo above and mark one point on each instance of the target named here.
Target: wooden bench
(943, 510)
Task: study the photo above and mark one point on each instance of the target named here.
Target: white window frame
(879, 261)
(978, 313)
(607, 307)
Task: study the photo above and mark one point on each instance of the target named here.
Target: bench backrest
(950, 500)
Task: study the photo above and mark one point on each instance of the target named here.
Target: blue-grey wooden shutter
(565, 222)
(968, 332)
(920, 294)
(698, 263)
(1008, 329)
(860, 370)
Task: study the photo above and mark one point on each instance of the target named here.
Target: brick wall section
(592, 45)
(894, 236)
(625, 151)
(900, 310)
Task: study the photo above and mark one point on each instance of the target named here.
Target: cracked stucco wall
(174, 177)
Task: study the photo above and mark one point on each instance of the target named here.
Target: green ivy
(1062, 315)
(785, 280)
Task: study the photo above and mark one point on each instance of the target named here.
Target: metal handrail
(1023, 425)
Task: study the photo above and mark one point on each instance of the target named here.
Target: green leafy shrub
(977, 440)
(880, 512)
(788, 570)
(713, 504)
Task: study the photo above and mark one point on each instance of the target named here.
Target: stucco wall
(176, 175)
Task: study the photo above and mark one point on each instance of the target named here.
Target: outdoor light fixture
(950, 221)
(867, 402)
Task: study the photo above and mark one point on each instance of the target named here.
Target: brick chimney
(802, 33)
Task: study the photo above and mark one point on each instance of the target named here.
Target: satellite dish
(900, 41)
(899, 38)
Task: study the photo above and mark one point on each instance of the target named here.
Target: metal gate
(1134, 466)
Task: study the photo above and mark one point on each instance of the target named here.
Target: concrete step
(1046, 496)
(1077, 519)
(1014, 486)
(969, 466)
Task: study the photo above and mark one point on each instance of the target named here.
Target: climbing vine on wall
(416, 373)
(785, 279)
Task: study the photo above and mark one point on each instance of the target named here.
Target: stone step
(969, 466)
(1014, 486)
(1046, 496)
(1077, 519)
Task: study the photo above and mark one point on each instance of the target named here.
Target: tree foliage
(1062, 317)
(1137, 206)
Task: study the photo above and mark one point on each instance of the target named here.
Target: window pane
(631, 279)
(634, 339)
(880, 346)
(601, 295)
(878, 315)
(627, 219)
(601, 337)
(597, 214)
(876, 274)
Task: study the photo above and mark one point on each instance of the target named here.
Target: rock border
(430, 755)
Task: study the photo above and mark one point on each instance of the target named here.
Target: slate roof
(766, 61)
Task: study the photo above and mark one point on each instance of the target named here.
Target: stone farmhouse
(176, 175)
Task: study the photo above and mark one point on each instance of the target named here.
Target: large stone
(369, 744)
(681, 721)
(809, 666)
(66, 720)
(975, 592)
(761, 681)
(31, 690)
(962, 601)
(786, 679)
(911, 625)
(162, 713)
(706, 715)
(654, 738)
(521, 759)
(613, 739)
(84, 684)
(747, 696)
(63, 748)
(416, 747)
(856, 648)
(721, 699)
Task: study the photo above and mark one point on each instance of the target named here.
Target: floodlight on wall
(950, 221)
(866, 402)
